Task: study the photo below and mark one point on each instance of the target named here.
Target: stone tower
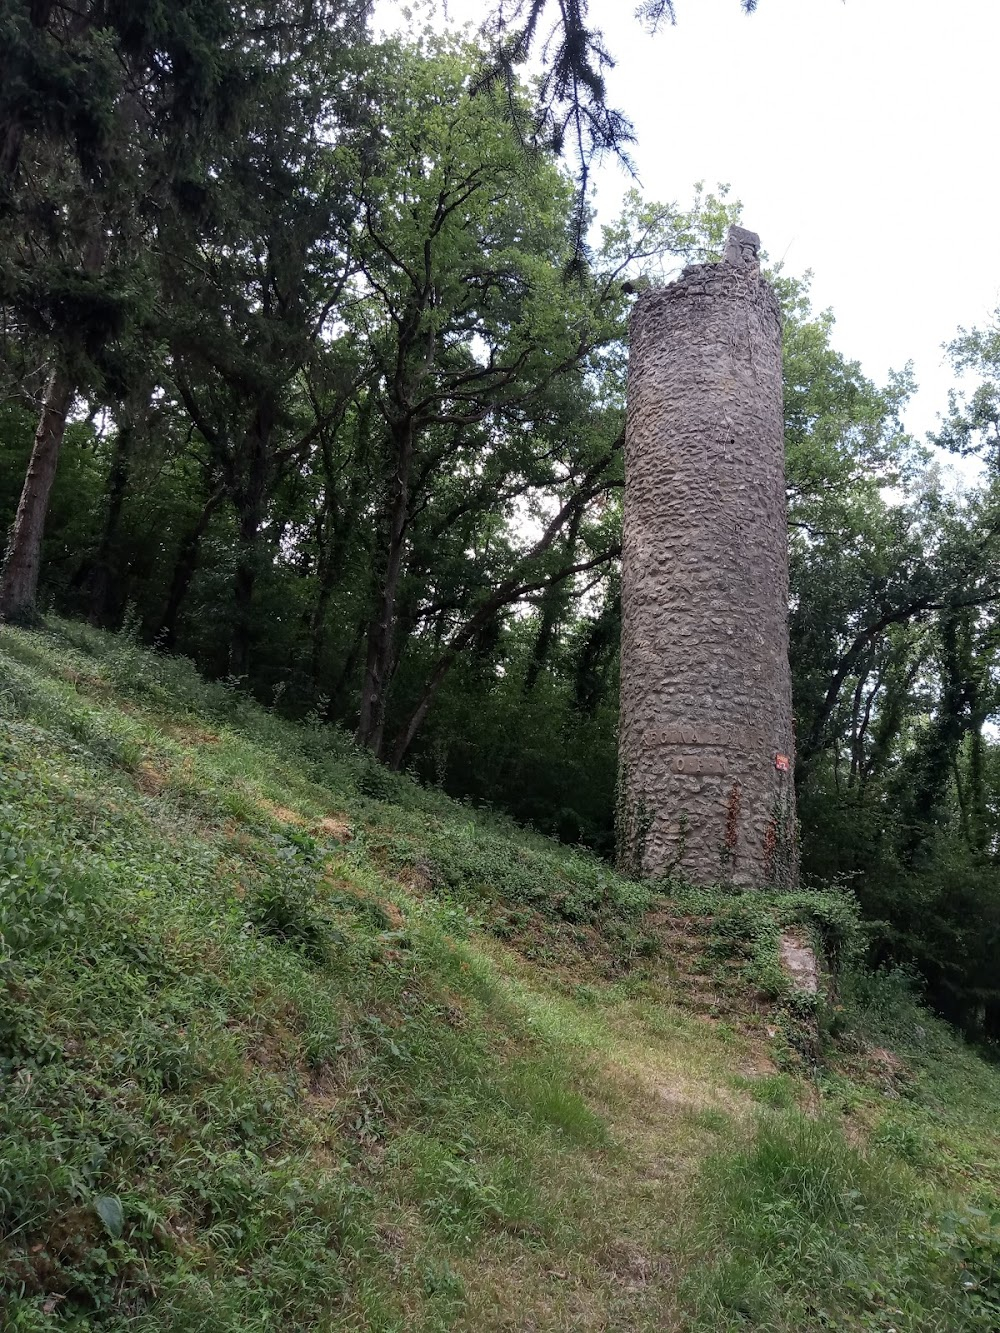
(706, 744)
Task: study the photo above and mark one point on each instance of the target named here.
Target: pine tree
(103, 110)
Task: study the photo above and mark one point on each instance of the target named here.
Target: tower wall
(706, 742)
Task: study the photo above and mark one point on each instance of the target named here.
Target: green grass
(290, 1042)
(800, 1229)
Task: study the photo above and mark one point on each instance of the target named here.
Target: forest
(313, 373)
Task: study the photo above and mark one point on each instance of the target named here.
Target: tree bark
(106, 597)
(978, 816)
(249, 500)
(378, 664)
(332, 550)
(19, 581)
(23, 558)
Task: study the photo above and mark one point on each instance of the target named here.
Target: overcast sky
(860, 136)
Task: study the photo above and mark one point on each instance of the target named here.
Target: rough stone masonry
(706, 749)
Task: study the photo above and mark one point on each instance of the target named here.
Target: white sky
(860, 136)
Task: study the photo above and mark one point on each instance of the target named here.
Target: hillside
(290, 1042)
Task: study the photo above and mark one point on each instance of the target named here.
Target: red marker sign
(782, 763)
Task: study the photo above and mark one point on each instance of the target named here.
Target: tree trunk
(185, 567)
(244, 582)
(19, 581)
(332, 552)
(434, 682)
(249, 500)
(22, 562)
(339, 685)
(978, 819)
(106, 597)
(378, 665)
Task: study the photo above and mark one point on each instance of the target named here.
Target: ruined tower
(706, 744)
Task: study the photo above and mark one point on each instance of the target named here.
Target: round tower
(706, 743)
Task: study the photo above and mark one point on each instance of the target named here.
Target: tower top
(742, 248)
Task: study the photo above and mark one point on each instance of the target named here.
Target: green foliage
(936, 911)
(284, 904)
(800, 1228)
(254, 1076)
(41, 906)
(350, 380)
(568, 903)
(748, 925)
(179, 993)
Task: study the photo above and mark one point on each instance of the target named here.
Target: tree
(252, 283)
(972, 426)
(102, 111)
(495, 391)
(461, 303)
(570, 108)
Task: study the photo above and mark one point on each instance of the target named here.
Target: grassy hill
(288, 1042)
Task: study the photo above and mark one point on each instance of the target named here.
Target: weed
(775, 1090)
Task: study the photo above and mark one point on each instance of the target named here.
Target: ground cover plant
(288, 1041)
(384, 469)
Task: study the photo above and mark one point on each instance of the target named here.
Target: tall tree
(253, 282)
(102, 110)
(496, 377)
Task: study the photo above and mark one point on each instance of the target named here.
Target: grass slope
(288, 1042)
